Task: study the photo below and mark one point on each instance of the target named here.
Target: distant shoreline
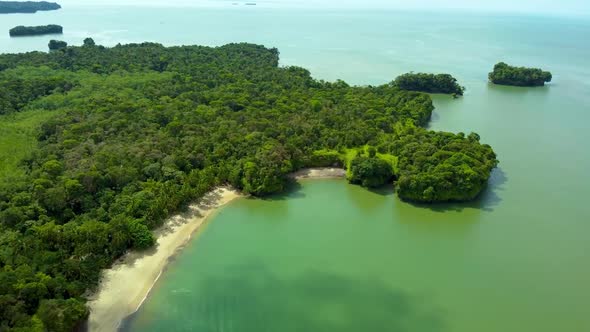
(127, 284)
(26, 31)
(27, 7)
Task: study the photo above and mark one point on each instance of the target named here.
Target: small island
(505, 74)
(21, 30)
(429, 83)
(27, 7)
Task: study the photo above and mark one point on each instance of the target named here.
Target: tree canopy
(57, 45)
(35, 30)
(9, 7)
(430, 83)
(505, 74)
(141, 130)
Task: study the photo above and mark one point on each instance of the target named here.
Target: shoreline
(127, 284)
(318, 173)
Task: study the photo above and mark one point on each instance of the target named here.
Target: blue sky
(577, 7)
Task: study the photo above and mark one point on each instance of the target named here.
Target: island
(11, 7)
(505, 74)
(429, 83)
(131, 134)
(20, 30)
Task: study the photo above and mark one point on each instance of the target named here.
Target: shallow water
(330, 256)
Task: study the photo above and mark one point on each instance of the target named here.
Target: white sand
(319, 173)
(126, 285)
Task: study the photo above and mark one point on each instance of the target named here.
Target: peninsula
(135, 133)
(505, 74)
(29, 7)
(20, 30)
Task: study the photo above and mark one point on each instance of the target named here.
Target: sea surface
(328, 256)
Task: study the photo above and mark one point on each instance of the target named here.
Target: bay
(329, 256)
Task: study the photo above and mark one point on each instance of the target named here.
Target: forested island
(10, 7)
(133, 133)
(505, 74)
(430, 83)
(36, 30)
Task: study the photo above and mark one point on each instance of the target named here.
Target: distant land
(505, 74)
(36, 30)
(10, 7)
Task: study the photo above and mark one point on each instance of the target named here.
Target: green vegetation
(370, 171)
(9, 7)
(439, 166)
(430, 83)
(18, 139)
(55, 45)
(36, 30)
(518, 76)
(21, 86)
(128, 135)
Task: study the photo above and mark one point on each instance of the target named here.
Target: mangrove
(505, 74)
(35, 30)
(12, 7)
(429, 83)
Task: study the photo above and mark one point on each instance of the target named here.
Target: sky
(568, 7)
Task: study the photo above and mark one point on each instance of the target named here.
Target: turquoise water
(330, 256)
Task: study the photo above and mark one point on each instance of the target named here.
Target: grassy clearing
(18, 139)
(347, 155)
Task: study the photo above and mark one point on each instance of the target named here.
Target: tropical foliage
(57, 45)
(36, 30)
(430, 83)
(135, 132)
(519, 76)
(8, 7)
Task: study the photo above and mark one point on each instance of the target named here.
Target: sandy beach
(126, 285)
(319, 173)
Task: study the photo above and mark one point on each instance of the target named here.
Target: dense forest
(138, 131)
(36, 30)
(430, 83)
(504, 74)
(10, 7)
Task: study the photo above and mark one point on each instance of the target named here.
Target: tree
(57, 45)
(89, 42)
(431, 83)
(62, 315)
(370, 171)
(505, 74)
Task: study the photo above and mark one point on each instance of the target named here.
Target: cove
(329, 256)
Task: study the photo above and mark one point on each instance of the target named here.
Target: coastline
(318, 173)
(125, 286)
